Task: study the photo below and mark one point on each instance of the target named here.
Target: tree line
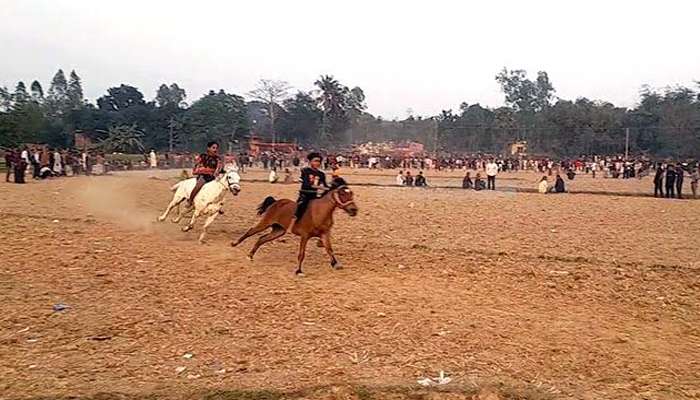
(665, 123)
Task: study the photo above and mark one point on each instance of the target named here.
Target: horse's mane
(337, 182)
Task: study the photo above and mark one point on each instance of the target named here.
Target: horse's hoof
(234, 244)
(249, 258)
(299, 275)
(160, 219)
(337, 266)
(186, 229)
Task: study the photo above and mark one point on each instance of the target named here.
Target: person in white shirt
(544, 186)
(153, 159)
(491, 171)
(400, 180)
(57, 163)
(273, 176)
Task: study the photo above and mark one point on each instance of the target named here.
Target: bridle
(228, 183)
(338, 202)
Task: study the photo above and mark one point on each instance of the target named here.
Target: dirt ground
(539, 296)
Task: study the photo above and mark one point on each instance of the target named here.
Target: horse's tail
(269, 200)
(175, 186)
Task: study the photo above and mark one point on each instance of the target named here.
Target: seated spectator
(559, 186)
(420, 180)
(273, 176)
(408, 179)
(288, 178)
(479, 183)
(400, 179)
(45, 172)
(467, 181)
(543, 186)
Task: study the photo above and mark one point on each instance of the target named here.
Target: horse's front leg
(302, 253)
(208, 222)
(326, 239)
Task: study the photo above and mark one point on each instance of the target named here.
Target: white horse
(208, 201)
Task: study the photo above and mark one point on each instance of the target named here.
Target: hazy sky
(426, 55)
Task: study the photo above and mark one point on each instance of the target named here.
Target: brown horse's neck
(327, 205)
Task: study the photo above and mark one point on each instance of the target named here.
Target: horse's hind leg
(277, 231)
(182, 213)
(326, 239)
(302, 253)
(171, 205)
(261, 226)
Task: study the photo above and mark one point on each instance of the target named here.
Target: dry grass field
(512, 295)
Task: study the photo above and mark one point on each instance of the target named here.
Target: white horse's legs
(182, 213)
(208, 222)
(192, 221)
(172, 205)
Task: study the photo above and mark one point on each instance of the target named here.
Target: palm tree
(332, 101)
(122, 139)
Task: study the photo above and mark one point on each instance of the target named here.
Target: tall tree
(37, 92)
(20, 97)
(216, 116)
(171, 100)
(74, 91)
(171, 96)
(5, 99)
(57, 99)
(302, 121)
(524, 94)
(332, 101)
(271, 92)
(120, 98)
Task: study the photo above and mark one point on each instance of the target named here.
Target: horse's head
(233, 181)
(344, 197)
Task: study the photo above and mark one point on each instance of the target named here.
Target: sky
(424, 56)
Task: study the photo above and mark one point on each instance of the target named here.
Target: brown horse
(317, 220)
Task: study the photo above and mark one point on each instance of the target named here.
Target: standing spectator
(679, 179)
(45, 159)
(25, 156)
(467, 181)
(670, 181)
(10, 159)
(420, 179)
(408, 181)
(36, 162)
(153, 159)
(594, 168)
(491, 171)
(659, 181)
(57, 163)
(694, 179)
(400, 180)
(20, 165)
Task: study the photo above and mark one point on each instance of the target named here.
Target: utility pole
(627, 143)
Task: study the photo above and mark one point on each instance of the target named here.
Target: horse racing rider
(313, 183)
(207, 166)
